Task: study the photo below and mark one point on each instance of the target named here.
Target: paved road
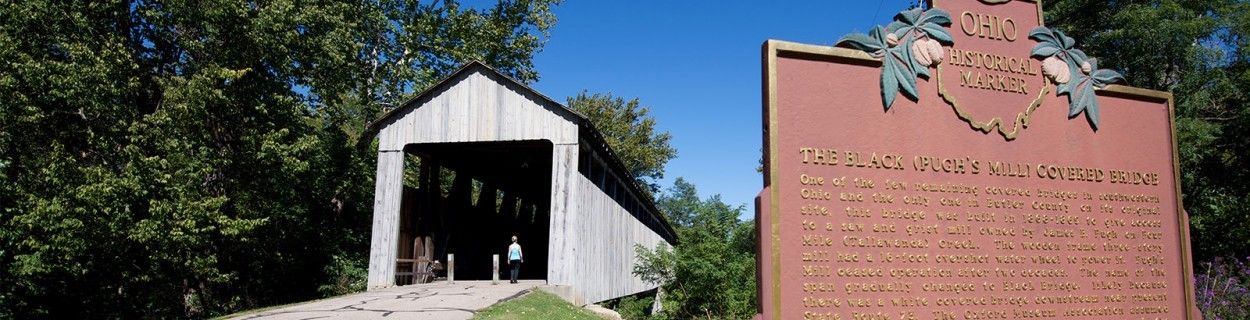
(437, 300)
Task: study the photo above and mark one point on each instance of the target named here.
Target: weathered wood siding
(562, 234)
(591, 237)
(605, 251)
(471, 108)
(474, 108)
(384, 240)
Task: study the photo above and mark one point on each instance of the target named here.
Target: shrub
(346, 275)
(1223, 289)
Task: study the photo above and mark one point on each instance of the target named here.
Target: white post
(494, 275)
(451, 268)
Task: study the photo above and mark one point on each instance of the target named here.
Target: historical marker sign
(966, 162)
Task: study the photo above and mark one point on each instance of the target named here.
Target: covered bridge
(487, 158)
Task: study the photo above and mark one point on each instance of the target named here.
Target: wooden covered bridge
(480, 157)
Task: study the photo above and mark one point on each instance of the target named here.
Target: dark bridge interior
(471, 198)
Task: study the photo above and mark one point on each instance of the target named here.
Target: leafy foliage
(633, 307)
(1223, 289)
(932, 23)
(630, 131)
(188, 159)
(1084, 75)
(346, 275)
(893, 44)
(710, 273)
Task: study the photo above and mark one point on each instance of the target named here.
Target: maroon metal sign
(966, 162)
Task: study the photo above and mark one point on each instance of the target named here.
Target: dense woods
(189, 159)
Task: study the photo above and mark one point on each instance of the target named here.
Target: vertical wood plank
(384, 242)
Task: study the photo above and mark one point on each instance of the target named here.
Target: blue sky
(696, 64)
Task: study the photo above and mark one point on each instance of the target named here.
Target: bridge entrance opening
(469, 199)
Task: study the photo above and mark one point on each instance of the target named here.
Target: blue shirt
(514, 252)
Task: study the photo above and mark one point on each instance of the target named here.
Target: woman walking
(514, 258)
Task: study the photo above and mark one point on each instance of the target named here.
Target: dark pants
(516, 268)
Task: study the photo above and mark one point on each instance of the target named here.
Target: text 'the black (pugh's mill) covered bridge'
(520, 164)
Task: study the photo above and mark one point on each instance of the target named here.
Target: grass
(535, 305)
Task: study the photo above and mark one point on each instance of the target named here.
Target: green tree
(630, 131)
(189, 159)
(710, 273)
(1198, 51)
